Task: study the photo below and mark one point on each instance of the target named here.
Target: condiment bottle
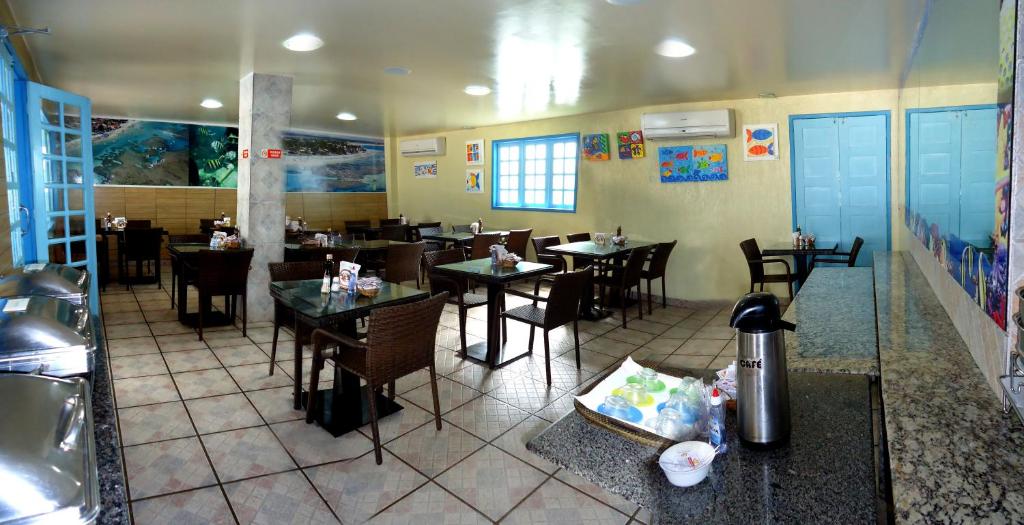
(328, 274)
(716, 423)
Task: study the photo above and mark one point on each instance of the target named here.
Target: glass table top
(459, 237)
(304, 297)
(787, 248)
(483, 270)
(362, 245)
(592, 249)
(189, 248)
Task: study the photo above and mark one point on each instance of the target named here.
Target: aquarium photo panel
(213, 155)
(333, 163)
(139, 152)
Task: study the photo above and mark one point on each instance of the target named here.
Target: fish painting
(761, 142)
(686, 164)
(759, 134)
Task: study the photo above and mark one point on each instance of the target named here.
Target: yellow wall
(709, 219)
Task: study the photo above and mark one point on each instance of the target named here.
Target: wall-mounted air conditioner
(431, 147)
(688, 124)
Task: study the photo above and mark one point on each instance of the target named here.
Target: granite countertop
(834, 315)
(824, 474)
(113, 495)
(954, 455)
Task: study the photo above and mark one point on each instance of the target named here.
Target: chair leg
(391, 390)
(789, 284)
(273, 348)
(245, 320)
(202, 303)
(547, 356)
(623, 295)
(576, 337)
(640, 300)
(314, 379)
(530, 345)
(650, 310)
(159, 282)
(504, 322)
(373, 425)
(664, 297)
(174, 279)
(437, 401)
(462, 330)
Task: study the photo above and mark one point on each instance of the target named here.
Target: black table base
(346, 420)
(506, 354)
(210, 319)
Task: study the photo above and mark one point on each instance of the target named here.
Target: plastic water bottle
(716, 434)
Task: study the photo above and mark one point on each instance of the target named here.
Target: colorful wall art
(631, 144)
(475, 153)
(693, 163)
(475, 181)
(596, 147)
(333, 163)
(760, 142)
(425, 170)
(213, 155)
(139, 152)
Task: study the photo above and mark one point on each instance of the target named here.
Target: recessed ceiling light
(397, 71)
(477, 91)
(345, 115)
(303, 42)
(211, 103)
(766, 94)
(674, 48)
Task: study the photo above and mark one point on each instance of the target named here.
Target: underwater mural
(333, 163)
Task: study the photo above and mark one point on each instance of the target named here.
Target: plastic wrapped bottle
(716, 423)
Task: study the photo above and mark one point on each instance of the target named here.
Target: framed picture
(475, 152)
(425, 170)
(630, 144)
(596, 147)
(475, 181)
(693, 163)
(760, 142)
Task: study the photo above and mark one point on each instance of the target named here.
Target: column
(264, 112)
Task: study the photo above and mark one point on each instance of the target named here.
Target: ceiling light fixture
(397, 71)
(476, 90)
(674, 48)
(211, 103)
(766, 94)
(303, 42)
(345, 115)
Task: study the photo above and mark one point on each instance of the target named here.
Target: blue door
(841, 180)
(951, 178)
(60, 143)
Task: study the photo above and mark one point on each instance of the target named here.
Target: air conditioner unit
(688, 124)
(433, 146)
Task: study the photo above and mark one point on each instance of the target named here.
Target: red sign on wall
(245, 153)
(273, 153)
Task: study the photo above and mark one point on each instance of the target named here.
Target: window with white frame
(535, 173)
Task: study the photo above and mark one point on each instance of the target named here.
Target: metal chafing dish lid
(44, 323)
(48, 458)
(54, 280)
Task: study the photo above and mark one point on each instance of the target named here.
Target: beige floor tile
(679, 332)
(514, 442)
(144, 391)
(155, 316)
(257, 377)
(190, 360)
(526, 394)
(431, 451)
(245, 453)
(399, 423)
(715, 332)
(170, 328)
(694, 362)
(360, 488)
(125, 331)
(275, 404)
(486, 417)
(555, 502)
(709, 347)
(133, 346)
(595, 491)
(124, 318)
(149, 423)
(249, 354)
(168, 466)
(220, 413)
(137, 366)
(177, 343)
(309, 444)
(429, 504)
(286, 498)
(492, 481)
(195, 507)
(204, 383)
(481, 377)
(610, 347)
(451, 395)
(664, 345)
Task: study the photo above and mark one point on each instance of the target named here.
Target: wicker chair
(457, 288)
(578, 262)
(756, 262)
(138, 223)
(394, 232)
(482, 243)
(517, 241)
(223, 273)
(563, 306)
(399, 342)
(849, 259)
(540, 246)
(656, 270)
(626, 278)
(284, 316)
(356, 225)
(188, 238)
(390, 222)
(403, 263)
(141, 245)
(461, 228)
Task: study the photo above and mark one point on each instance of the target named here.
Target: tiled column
(264, 111)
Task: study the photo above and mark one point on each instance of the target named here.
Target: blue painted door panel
(816, 182)
(977, 177)
(863, 184)
(935, 168)
(840, 181)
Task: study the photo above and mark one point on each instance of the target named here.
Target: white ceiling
(543, 58)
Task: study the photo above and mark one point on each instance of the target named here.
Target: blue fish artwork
(686, 164)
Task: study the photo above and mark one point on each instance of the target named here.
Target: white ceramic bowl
(677, 469)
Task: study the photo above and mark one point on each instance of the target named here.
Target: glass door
(60, 143)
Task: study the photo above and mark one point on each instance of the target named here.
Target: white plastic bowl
(674, 463)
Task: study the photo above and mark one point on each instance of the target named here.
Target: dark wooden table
(188, 254)
(492, 352)
(801, 256)
(460, 238)
(122, 264)
(364, 246)
(600, 254)
(345, 407)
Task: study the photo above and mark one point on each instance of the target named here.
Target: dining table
(118, 235)
(600, 254)
(492, 352)
(188, 256)
(802, 256)
(344, 407)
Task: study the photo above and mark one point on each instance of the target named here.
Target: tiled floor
(210, 437)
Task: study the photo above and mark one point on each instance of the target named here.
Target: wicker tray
(613, 425)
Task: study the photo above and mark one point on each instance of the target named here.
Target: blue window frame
(8, 137)
(535, 173)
